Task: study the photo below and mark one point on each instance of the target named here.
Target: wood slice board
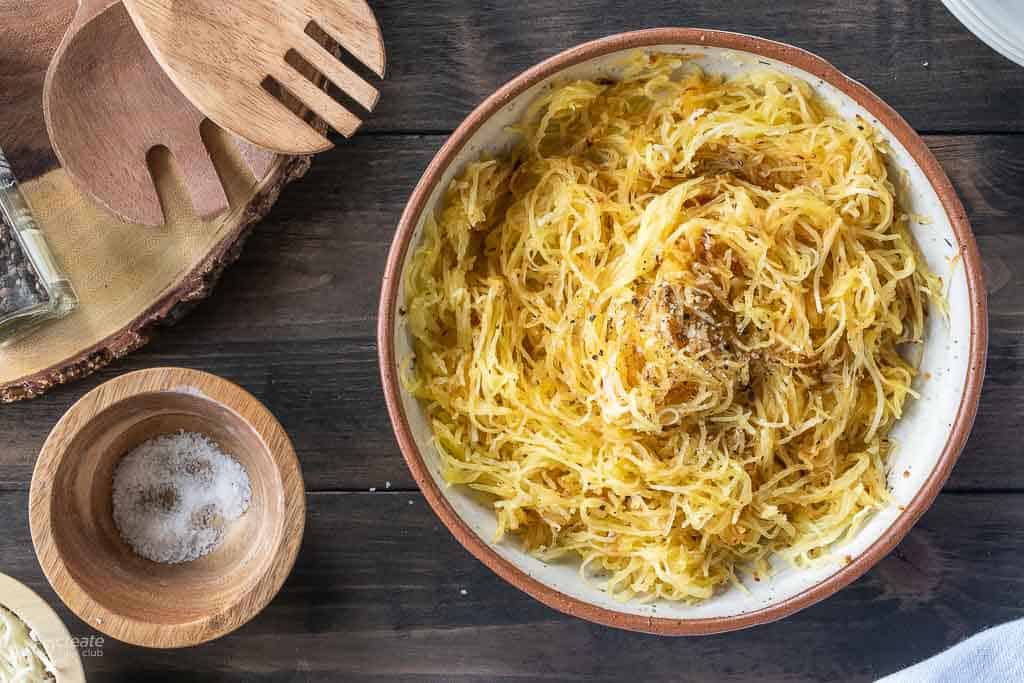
(128, 277)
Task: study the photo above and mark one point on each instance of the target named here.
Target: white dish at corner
(47, 627)
(997, 23)
(930, 434)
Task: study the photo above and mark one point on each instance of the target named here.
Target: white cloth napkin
(992, 656)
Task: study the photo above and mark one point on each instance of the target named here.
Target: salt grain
(176, 494)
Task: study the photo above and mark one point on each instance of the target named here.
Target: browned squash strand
(664, 333)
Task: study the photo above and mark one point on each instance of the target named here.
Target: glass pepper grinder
(33, 288)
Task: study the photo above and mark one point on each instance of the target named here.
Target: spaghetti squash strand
(664, 332)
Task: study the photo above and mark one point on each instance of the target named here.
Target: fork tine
(344, 78)
(341, 119)
(299, 131)
(202, 181)
(134, 198)
(351, 24)
(257, 159)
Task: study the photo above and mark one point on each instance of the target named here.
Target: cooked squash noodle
(22, 658)
(664, 332)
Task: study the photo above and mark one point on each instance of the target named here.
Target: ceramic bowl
(44, 624)
(932, 431)
(97, 574)
(999, 24)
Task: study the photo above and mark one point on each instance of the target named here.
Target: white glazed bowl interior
(921, 434)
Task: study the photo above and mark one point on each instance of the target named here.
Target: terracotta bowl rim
(697, 38)
(223, 618)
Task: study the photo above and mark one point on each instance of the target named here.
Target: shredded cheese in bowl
(22, 658)
(666, 334)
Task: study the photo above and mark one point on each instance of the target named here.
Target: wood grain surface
(377, 591)
(446, 55)
(382, 592)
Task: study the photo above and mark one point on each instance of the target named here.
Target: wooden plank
(445, 56)
(294, 320)
(382, 590)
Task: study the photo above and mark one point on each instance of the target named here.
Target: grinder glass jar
(33, 288)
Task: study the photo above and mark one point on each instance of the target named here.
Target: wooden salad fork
(226, 56)
(108, 104)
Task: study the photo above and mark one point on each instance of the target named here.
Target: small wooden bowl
(91, 567)
(47, 627)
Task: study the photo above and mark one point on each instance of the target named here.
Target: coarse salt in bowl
(176, 496)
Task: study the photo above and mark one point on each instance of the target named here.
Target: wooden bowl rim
(47, 626)
(246, 605)
(697, 38)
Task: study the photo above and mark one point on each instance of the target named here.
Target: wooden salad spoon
(227, 56)
(108, 103)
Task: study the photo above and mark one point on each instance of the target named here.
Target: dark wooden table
(381, 590)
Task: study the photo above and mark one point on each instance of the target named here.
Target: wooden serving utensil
(108, 103)
(224, 54)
